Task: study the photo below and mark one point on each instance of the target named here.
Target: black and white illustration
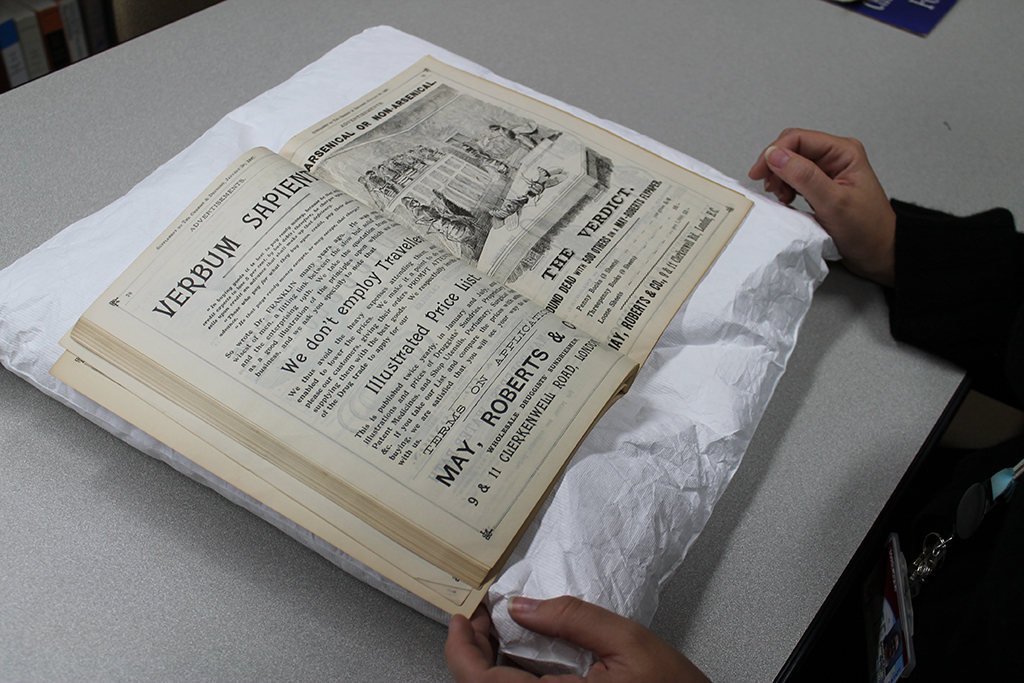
(492, 186)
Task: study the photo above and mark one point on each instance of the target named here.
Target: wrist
(881, 268)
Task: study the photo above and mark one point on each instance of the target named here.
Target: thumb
(802, 174)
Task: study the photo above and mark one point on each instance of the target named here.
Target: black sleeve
(959, 291)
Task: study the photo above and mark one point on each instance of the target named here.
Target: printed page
(607, 235)
(353, 364)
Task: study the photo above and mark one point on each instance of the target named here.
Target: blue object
(1002, 483)
(916, 16)
(8, 34)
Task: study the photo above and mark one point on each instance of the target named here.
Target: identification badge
(889, 616)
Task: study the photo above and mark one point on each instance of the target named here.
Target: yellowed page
(606, 234)
(404, 568)
(360, 369)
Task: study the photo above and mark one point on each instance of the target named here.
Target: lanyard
(976, 502)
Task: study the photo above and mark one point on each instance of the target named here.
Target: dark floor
(836, 646)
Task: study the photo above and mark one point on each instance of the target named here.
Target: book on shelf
(29, 37)
(97, 23)
(397, 330)
(51, 27)
(12, 57)
(74, 29)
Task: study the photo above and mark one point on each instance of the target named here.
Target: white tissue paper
(642, 485)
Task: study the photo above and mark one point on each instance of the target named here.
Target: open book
(397, 331)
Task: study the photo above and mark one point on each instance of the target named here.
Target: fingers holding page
(627, 651)
(834, 176)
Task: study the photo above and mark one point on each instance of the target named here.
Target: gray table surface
(115, 567)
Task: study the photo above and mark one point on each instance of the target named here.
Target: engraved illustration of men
(425, 154)
(534, 189)
(524, 134)
(486, 158)
(452, 207)
(502, 140)
(438, 217)
(404, 162)
(422, 213)
(545, 179)
(381, 190)
(374, 182)
(388, 171)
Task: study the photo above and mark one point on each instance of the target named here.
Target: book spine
(97, 30)
(74, 30)
(13, 57)
(52, 28)
(31, 39)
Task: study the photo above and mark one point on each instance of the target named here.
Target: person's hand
(834, 176)
(626, 650)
